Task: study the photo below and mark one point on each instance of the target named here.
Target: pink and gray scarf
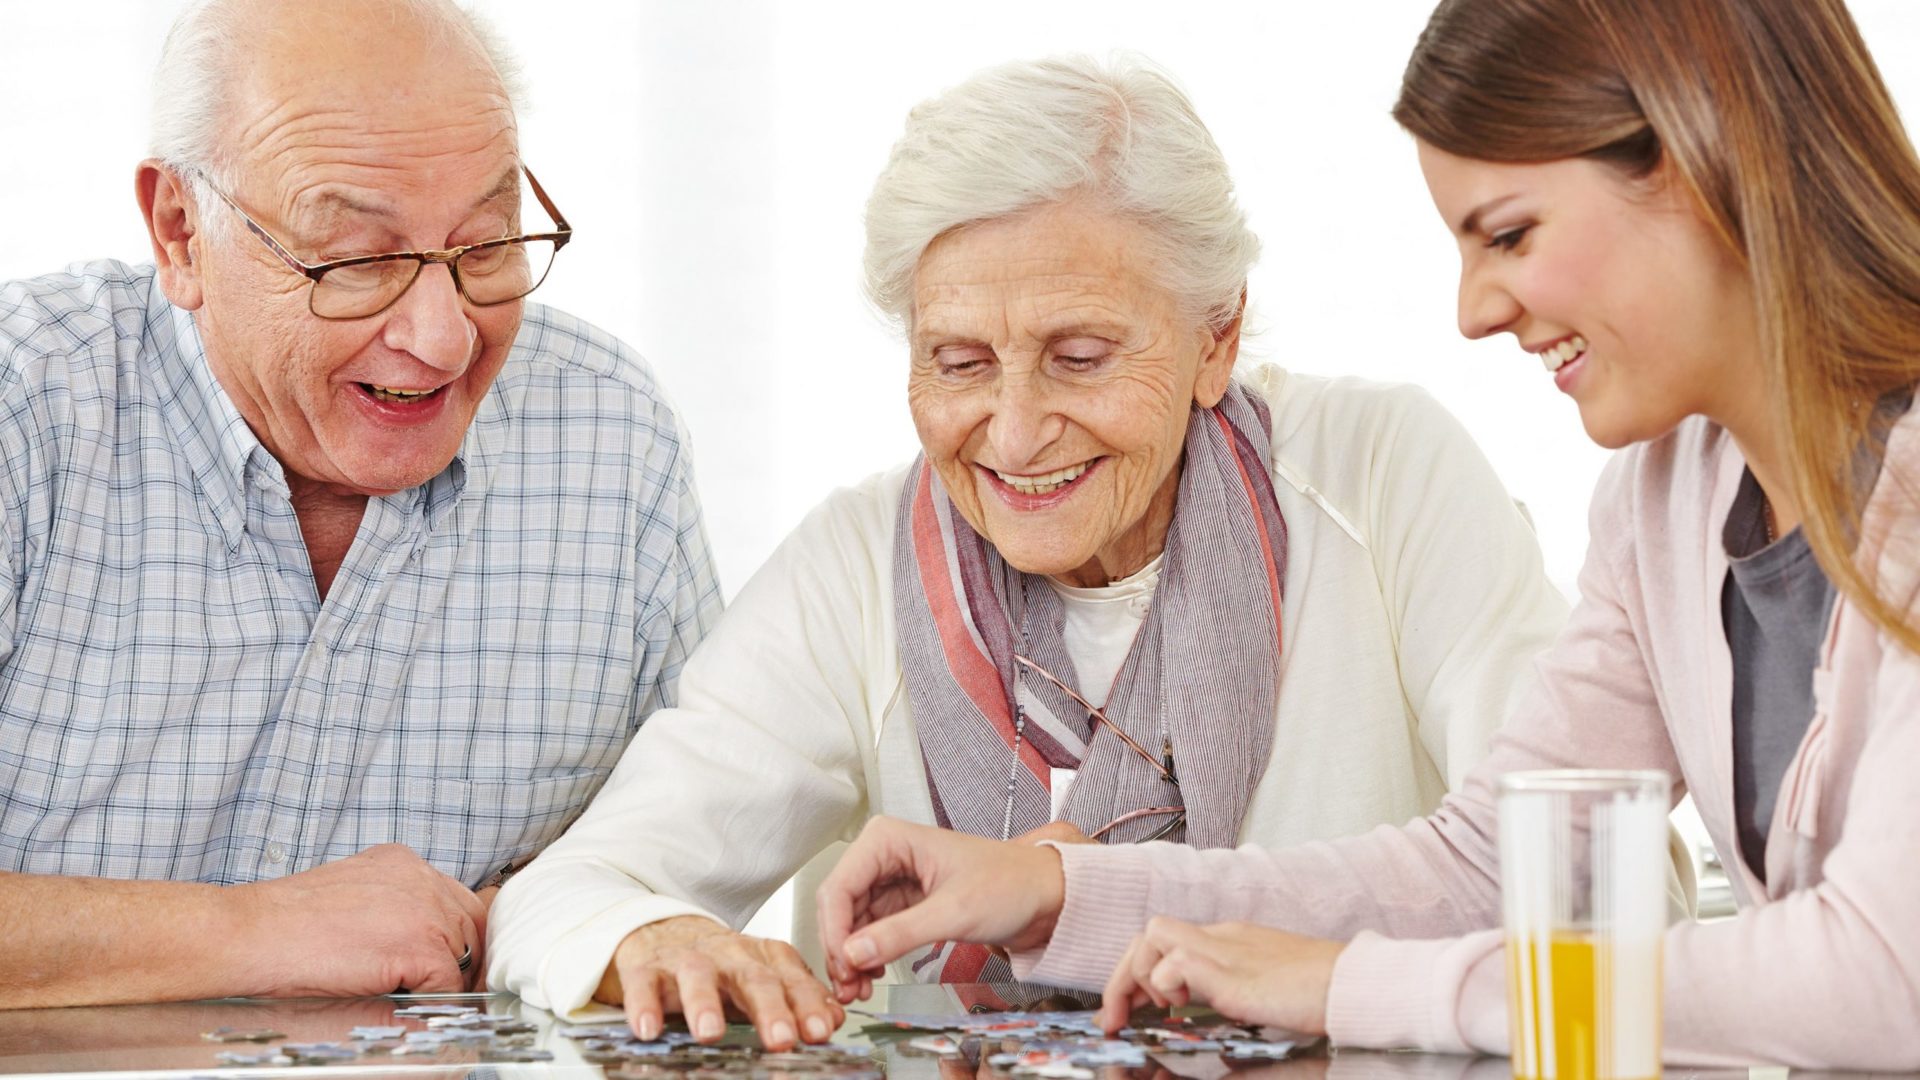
(1203, 673)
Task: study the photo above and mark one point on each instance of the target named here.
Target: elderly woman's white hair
(193, 83)
(1036, 132)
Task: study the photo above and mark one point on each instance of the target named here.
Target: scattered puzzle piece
(241, 1035)
(436, 1010)
(934, 1044)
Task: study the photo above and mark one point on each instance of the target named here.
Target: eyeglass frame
(450, 256)
(1163, 767)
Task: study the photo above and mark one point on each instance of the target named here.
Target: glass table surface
(122, 1042)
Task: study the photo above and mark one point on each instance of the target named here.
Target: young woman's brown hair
(1774, 117)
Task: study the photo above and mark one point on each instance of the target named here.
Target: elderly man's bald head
(225, 61)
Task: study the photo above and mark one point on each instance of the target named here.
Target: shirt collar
(219, 445)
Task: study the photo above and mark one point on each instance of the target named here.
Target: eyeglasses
(486, 274)
(1162, 764)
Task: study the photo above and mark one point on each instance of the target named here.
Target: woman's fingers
(882, 859)
(646, 1013)
(937, 918)
(698, 982)
(900, 887)
(1157, 968)
(1252, 973)
(816, 1013)
(1123, 991)
(1060, 832)
(762, 995)
(1191, 962)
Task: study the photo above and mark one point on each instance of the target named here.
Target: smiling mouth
(1564, 353)
(396, 395)
(1045, 483)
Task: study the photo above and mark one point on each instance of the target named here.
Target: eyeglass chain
(1019, 722)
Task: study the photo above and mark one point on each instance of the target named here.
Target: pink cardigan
(1820, 969)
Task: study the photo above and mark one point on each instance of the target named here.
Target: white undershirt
(1099, 627)
(1101, 623)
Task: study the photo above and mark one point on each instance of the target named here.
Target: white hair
(193, 83)
(1038, 132)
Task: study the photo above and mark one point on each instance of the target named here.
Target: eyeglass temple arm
(1096, 714)
(312, 273)
(1136, 815)
(546, 204)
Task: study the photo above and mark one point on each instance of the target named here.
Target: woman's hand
(698, 968)
(1247, 972)
(902, 886)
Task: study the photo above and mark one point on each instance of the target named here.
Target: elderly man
(333, 576)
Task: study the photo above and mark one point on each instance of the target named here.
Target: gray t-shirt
(1775, 606)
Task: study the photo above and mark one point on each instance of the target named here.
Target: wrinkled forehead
(346, 119)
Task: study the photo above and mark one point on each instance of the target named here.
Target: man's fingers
(439, 975)
(462, 898)
(463, 921)
(468, 939)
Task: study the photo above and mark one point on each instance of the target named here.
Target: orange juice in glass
(1583, 861)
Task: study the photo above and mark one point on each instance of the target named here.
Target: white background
(714, 156)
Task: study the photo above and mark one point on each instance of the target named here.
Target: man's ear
(173, 227)
(1216, 364)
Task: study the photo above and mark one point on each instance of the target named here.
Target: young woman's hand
(900, 887)
(1250, 973)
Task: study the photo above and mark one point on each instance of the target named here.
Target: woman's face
(1617, 286)
(1052, 380)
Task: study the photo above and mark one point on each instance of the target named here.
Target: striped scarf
(1202, 676)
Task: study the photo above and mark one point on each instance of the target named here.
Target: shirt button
(276, 852)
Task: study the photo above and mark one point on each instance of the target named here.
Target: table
(123, 1042)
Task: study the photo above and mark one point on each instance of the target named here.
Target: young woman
(1703, 217)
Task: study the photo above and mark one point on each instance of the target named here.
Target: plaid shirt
(177, 702)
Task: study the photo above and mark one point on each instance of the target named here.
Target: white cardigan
(1415, 601)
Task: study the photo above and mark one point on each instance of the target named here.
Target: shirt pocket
(473, 828)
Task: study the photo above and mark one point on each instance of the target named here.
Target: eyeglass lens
(493, 274)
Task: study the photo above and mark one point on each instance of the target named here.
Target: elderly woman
(1121, 588)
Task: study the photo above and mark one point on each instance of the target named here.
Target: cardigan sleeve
(717, 801)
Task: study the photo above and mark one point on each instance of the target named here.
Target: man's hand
(1249, 973)
(372, 923)
(900, 887)
(698, 968)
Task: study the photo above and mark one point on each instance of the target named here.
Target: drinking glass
(1583, 861)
